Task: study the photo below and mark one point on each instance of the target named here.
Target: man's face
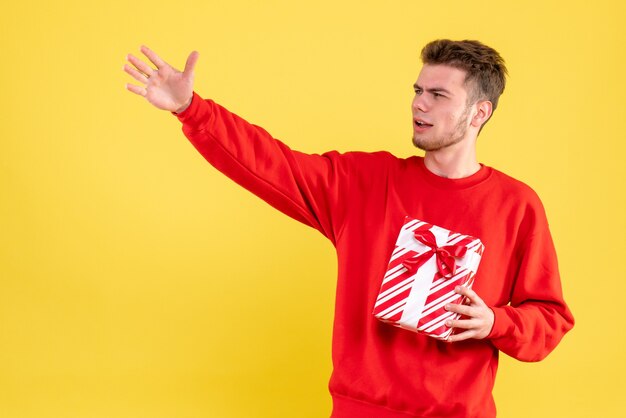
(441, 114)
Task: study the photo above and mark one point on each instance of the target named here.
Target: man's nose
(419, 103)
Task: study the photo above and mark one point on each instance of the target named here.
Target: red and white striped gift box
(428, 262)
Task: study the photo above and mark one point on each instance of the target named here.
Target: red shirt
(359, 201)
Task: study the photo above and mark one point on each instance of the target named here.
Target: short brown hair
(484, 66)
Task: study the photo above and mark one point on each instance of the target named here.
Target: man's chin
(425, 146)
(437, 144)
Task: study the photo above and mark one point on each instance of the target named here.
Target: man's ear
(484, 108)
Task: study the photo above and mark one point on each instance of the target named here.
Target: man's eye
(418, 91)
(437, 95)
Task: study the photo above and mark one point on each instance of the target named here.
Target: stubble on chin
(425, 145)
(421, 145)
(436, 144)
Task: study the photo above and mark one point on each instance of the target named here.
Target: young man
(359, 201)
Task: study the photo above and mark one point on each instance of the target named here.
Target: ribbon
(445, 256)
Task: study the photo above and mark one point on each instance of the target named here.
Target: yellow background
(136, 281)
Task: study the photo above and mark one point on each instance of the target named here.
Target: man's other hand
(479, 319)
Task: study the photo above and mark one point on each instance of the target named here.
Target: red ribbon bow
(445, 256)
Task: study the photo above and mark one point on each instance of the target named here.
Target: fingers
(154, 58)
(473, 328)
(191, 63)
(136, 89)
(470, 294)
(141, 77)
(463, 323)
(460, 309)
(465, 335)
(140, 65)
(479, 317)
(147, 70)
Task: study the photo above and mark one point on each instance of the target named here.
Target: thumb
(191, 63)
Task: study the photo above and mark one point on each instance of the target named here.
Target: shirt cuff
(501, 322)
(199, 110)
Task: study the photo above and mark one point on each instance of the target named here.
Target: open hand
(165, 87)
(480, 316)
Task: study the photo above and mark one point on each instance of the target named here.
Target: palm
(164, 87)
(168, 88)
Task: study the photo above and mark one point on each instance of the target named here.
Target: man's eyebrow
(433, 89)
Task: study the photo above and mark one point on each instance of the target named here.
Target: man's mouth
(422, 123)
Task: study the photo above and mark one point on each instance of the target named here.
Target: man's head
(484, 67)
(455, 93)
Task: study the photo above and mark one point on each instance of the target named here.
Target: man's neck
(455, 162)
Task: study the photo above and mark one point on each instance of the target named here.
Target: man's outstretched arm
(307, 187)
(164, 86)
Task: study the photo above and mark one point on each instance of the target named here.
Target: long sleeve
(537, 318)
(305, 187)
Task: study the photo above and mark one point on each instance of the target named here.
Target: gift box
(427, 263)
